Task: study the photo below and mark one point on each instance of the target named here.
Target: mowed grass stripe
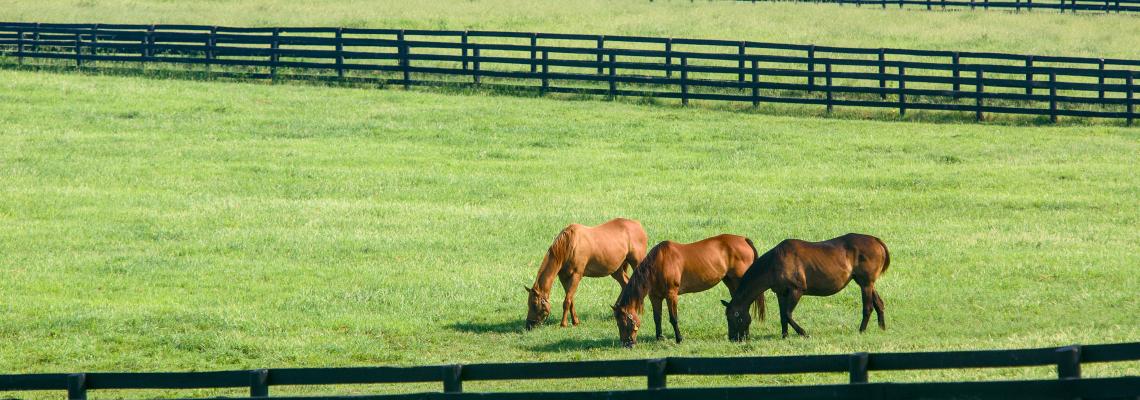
(155, 225)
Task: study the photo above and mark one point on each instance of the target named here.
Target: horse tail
(886, 256)
(755, 254)
(758, 307)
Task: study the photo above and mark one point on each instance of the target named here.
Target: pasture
(152, 224)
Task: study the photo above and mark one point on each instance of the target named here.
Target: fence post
(811, 68)
(77, 387)
(655, 368)
(533, 52)
(94, 40)
(1017, 6)
(211, 44)
(259, 383)
(882, 73)
(827, 77)
(613, 75)
(1100, 77)
(755, 83)
(979, 89)
(1128, 98)
(684, 80)
(78, 56)
(1029, 75)
(972, 5)
(957, 75)
(1029, 5)
(463, 41)
(273, 45)
(148, 43)
(20, 47)
(928, 5)
(669, 58)
(36, 39)
(883, 3)
(1053, 97)
(858, 367)
(902, 91)
(740, 63)
(601, 44)
(453, 378)
(475, 65)
(545, 72)
(404, 61)
(1069, 362)
(340, 53)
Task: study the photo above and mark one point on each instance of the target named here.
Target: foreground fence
(669, 68)
(1068, 361)
(1073, 6)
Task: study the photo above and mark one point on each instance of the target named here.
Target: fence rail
(1067, 360)
(1072, 6)
(670, 68)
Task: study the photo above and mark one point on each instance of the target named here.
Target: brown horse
(580, 251)
(794, 268)
(672, 269)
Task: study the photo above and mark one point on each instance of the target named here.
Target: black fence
(1068, 361)
(649, 67)
(1073, 6)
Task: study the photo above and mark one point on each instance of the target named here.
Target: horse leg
(879, 309)
(657, 316)
(672, 300)
(620, 276)
(574, 279)
(868, 304)
(793, 299)
(565, 280)
(782, 299)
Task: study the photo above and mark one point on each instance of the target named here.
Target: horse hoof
(660, 338)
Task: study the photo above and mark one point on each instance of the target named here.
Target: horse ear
(724, 302)
(529, 290)
(614, 306)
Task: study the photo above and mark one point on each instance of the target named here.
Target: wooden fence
(1072, 6)
(1068, 361)
(672, 68)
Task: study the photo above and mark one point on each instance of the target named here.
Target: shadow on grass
(488, 327)
(577, 344)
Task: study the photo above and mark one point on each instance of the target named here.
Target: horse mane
(556, 256)
(638, 286)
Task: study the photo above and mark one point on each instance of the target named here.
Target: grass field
(1038, 32)
(181, 225)
(154, 224)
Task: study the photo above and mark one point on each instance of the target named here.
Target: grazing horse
(672, 269)
(794, 268)
(579, 251)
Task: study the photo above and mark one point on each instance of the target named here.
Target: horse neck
(750, 289)
(546, 273)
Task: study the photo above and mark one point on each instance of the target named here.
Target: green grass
(152, 224)
(1038, 32)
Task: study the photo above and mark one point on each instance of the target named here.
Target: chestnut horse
(580, 251)
(794, 268)
(672, 269)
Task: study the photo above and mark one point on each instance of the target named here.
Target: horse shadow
(488, 327)
(575, 345)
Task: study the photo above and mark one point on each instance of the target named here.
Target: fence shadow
(577, 344)
(488, 327)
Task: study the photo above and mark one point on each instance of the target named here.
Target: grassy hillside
(179, 225)
(1038, 32)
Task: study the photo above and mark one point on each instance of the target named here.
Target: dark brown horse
(672, 269)
(794, 268)
(580, 251)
